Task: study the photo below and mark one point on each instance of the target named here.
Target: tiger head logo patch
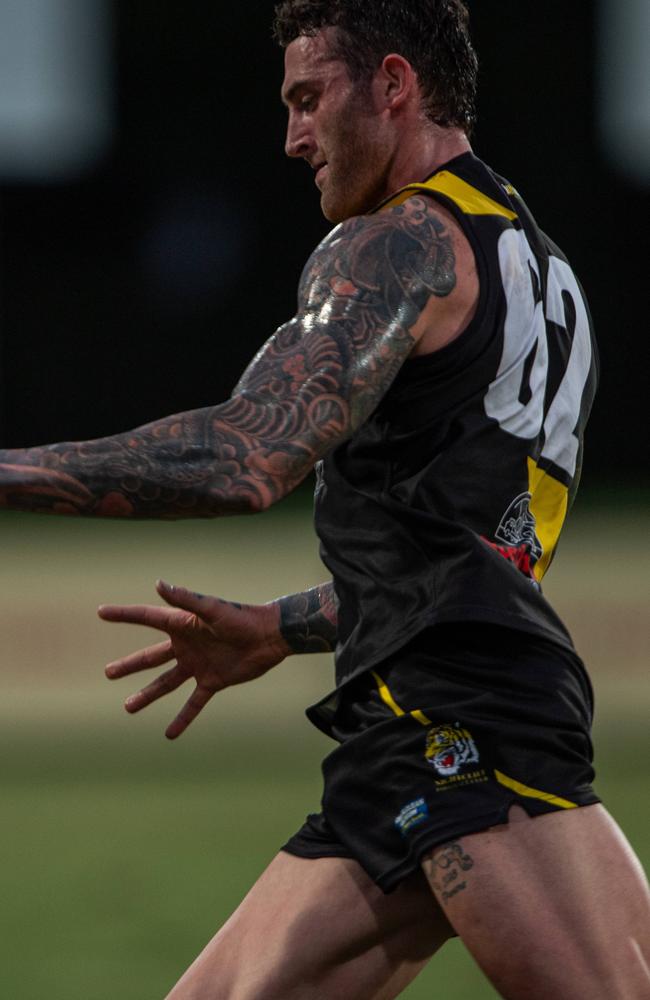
(448, 748)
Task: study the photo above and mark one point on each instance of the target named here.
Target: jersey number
(516, 397)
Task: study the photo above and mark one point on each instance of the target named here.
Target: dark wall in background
(145, 287)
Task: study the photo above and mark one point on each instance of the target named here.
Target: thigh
(555, 905)
(319, 928)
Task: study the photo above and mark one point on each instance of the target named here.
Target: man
(439, 372)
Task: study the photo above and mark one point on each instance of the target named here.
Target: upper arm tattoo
(361, 293)
(309, 388)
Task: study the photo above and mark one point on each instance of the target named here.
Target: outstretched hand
(216, 642)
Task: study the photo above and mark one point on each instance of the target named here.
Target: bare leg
(319, 929)
(555, 906)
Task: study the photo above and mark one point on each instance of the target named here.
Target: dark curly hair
(432, 34)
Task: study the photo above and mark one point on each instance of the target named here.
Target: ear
(396, 81)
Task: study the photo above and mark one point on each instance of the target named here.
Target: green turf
(122, 853)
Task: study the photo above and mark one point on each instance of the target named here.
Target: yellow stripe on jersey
(549, 504)
(533, 793)
(387, 698)
(469, 199)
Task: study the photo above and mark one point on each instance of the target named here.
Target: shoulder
(419, 216)
(416, 240)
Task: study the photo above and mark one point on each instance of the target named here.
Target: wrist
(272, 620)
(307, 621)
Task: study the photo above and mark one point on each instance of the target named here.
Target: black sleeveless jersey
(447, 504)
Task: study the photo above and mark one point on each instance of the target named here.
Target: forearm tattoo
(309, 388)
(308, 620)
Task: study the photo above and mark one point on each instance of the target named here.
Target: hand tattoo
(308, 389)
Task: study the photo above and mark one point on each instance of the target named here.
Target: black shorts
(442, 738)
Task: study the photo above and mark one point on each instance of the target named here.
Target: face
(337, 127)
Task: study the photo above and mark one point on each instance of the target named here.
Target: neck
(416, 160)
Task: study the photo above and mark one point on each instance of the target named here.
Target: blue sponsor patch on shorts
(412, 814)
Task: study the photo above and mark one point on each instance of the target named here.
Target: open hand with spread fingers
(216, 642)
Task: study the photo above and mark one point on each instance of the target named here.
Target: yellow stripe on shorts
(533, 793)
(387, 698)
(503, 779)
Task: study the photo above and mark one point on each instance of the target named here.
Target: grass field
(122, 853)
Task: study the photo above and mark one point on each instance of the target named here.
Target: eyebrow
(293, 90)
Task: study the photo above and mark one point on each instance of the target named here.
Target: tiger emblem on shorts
(448, 748)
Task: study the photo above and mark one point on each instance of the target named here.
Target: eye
(307, 103)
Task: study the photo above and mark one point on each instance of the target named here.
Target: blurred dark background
(139, 281)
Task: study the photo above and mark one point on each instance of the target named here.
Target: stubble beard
(356, 176)
(355, 183)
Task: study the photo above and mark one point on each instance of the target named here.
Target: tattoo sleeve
(308, 389)
(308, 620)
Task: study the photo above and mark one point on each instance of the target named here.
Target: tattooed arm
(361, 299)
(308, 620)
(219, 643)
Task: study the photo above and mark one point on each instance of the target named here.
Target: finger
(144, 659)
(188, 600)
(137, 614)
(189, 712)
(162, 685)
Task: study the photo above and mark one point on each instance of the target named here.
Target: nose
(299, 141)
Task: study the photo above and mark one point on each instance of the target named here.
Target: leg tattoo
(444, 868)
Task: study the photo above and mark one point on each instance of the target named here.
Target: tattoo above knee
(445, 868)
